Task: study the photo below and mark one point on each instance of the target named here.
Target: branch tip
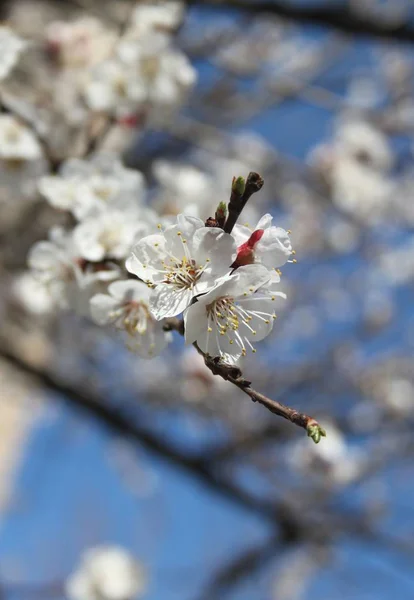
(315, 431)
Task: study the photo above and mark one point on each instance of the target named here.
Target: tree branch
(241, 191)
(198, 466)
(235, 376)
(341, 18)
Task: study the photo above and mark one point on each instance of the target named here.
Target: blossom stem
(235, 376)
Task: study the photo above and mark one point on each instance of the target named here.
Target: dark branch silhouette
(341, 18)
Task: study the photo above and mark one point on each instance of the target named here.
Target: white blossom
(32, 294)
(163, 15)
(184, 260)
(238, 311)
(359, 190)
(332, 461)
(127, 307)
(109, 234)
(146, 75)
(106, 573)
(115, 87)
(21, 161)
(265, 244)
(363, 142)
(79, 44)
(184, 189)
(70, 280)
(17, 142)
(398, 396)
(85, 187)
(11, 47)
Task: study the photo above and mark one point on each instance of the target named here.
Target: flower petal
(167, 301)
(265, 222)
(129, 291)
(241, 234)
(246, 280)
(146, 260)
(213, 244)
(195, 322)
(101, 306)
(275, 247)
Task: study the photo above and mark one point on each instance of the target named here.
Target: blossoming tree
(138, 221)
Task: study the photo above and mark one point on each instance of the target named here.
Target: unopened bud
(221, 214)
(238, 185)
(315, 431)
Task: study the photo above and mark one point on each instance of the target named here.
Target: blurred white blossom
(21, 160)
(17, 142)
(79, 44)
(70, 280)
(332, 460)
(109, 234)
(127, 307)
(146, 76)
(11, 47)
(162, 15)
(107, 573)
(88, 186)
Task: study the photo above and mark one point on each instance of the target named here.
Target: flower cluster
(77, 265)
(224, 284)
(145, 76)
(82, 69)
(112, 257)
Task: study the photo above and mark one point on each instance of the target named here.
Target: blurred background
(213, 496)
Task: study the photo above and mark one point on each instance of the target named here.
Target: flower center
(150, 66)
(232, 321)
(134, 317)
(103, 191)
(120, 86)
(224, 314)
(184, 274)
(109, 238)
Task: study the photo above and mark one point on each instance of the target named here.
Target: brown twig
(234, 375)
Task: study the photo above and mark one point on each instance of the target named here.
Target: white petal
(101, 306)
(265, 222)
(246, 280)
(213, 244)
(42, 255)
(195, 322)
(152, 343)
(215, 344)
(189, 225)
(265, 307)
(147, 258)
(241, 234)
(167, 301)
(275, 247)
(129, 290)
(57, 191)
